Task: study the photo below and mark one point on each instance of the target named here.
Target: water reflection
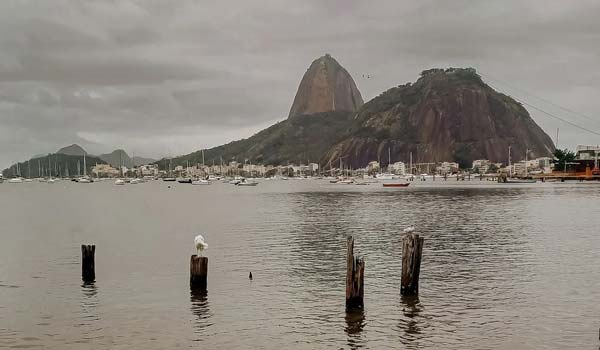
(201, 309)
(411, 309)
(89, 326)
(355, 322)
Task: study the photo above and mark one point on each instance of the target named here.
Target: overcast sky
(170, 77)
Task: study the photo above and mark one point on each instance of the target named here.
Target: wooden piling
(354, 278)
(412, 248)
(198, 272)
(88, 266)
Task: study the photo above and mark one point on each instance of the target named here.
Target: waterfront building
(448, 168)
(373, 166)
(104, 170)
(398, 168)
(481, 164)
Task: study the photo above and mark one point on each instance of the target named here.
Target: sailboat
(28, 179)
(84, 179)
(50, 179)
(17, 178)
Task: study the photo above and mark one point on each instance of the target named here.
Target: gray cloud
(160, 77)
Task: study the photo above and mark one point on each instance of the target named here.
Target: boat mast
(411, 166)
(526, 151)
(509, 166)
(84, 165)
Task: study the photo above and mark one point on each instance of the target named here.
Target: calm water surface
(504, 267)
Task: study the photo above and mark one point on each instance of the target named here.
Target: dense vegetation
(296, 140)
(563, 157)
(55, 165)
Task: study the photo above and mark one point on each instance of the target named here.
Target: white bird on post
(200, 244)
(408, 230)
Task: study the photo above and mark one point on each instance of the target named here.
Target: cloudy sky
(170, 77)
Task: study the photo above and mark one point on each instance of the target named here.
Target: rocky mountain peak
(326, 87)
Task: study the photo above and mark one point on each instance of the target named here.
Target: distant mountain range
(68, 160)
(446, 115)
(119, 156)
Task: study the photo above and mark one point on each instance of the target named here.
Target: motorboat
(15, 180)
(136, 181)
(120, 182)
(171, 179)
(184, 180)
(50, 181)
(244, 182)
(84, 180)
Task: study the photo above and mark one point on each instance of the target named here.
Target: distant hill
(56, 165)
(295, 140)
(72, 150)
(119, 156)
(142, 160)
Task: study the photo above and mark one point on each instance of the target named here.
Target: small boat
(136, 181)
(184, 180)
(15, 180)
(520, 181)
(243, 182)
(169, 179)
(396, 184)
(200, 182)
(28, 180)
(120, 182)
(50, 181)
(84, 180)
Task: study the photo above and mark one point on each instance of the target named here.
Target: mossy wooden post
(355, 274)
(88, 267)
(198, 272)
(412, 248)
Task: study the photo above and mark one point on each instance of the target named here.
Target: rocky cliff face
(326, 87)
(446, 115)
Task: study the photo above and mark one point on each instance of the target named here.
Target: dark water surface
(503, 267)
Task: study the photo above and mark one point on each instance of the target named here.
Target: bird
(250, 275)
(408, 230)
(200, 244)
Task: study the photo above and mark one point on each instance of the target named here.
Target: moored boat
(396, 184)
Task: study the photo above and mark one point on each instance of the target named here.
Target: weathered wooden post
(198, 272)
(354, 278)
(412, 247)
(88, 267)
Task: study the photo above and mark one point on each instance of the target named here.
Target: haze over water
(503, 266)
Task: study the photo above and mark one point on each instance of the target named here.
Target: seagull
(410, 229)
(200, 244)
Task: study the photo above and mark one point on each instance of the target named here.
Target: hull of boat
(396, 185)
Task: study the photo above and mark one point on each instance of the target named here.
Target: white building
(587, 152)
(373, 166)
(482, 165)
(448, 168)
(398, 168)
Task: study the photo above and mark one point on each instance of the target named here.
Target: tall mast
(84, 165)
(411, 167)
(509, 166)
(526, 151)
